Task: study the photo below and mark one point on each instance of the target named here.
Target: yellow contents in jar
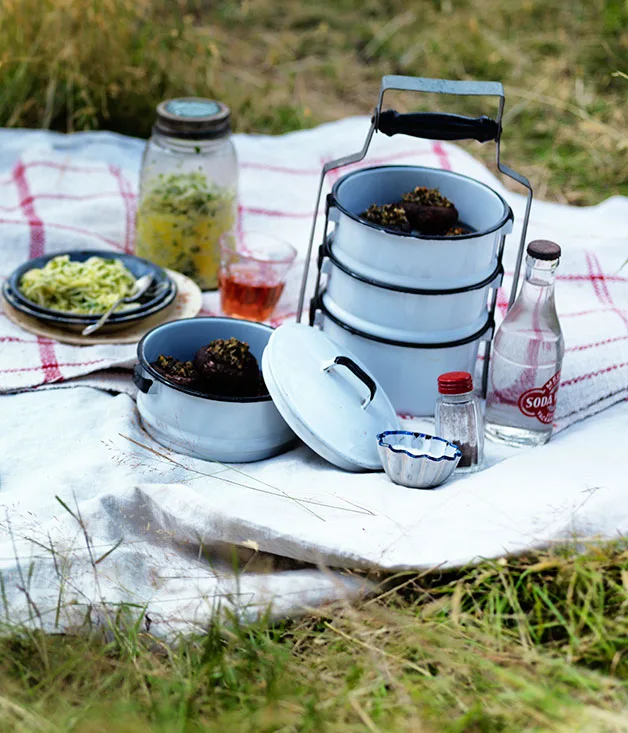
(180, 220)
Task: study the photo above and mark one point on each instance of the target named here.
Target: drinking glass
(253, 271)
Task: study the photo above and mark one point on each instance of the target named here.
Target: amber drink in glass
(253, 272)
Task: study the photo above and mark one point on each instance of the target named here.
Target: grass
(532, 643)
(288, 64)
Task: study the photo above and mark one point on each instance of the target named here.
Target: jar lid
(455, 383)
(193, 118)
(543, 249)
(327, 396)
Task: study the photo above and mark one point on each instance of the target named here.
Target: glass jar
(458, 418)
(188, 189)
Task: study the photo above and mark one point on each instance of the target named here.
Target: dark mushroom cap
(178, 372)
(427, 197)
(227, 367)
(430, 219)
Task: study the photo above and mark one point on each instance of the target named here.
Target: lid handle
(438, 126)
(358, 372)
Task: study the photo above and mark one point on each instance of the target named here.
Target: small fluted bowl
(416, 460)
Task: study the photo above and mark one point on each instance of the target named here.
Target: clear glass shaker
(458, 418)
(188, 189)
(527, 357)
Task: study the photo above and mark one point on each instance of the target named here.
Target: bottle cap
(543, 249)
(455, 383)
(193, 118)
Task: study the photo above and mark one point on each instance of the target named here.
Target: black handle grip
(140, 381)
(438, 126)
(315, 304)
(357, 371)
(322, 251)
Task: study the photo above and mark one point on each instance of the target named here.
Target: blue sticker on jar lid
(192, 108)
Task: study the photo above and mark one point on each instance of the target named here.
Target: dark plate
(59, 321)
(161, 290)
(165, 294)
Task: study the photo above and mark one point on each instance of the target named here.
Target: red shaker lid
(455, 383)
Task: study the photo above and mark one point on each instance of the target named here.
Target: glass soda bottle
(527, 357)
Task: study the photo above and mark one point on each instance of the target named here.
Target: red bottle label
(540, 402)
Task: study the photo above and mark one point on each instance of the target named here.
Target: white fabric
(176, 524)
(80, 191)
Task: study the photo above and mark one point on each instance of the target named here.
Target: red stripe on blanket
(586, 278)
(34, 222)
(257, 211)
(61, 197)
(62, 168)
(49, 362)
(67, 228)
(592, 311)
(601, 286)
(317, 171)
(502, 301)
(591, 278)
(278, 320)
(129, 207)
(51, 365)
(16, 340)
(441, 153)
(605, 342)
(239, 223)
(591, 375)
(281, 169)
(37, 243)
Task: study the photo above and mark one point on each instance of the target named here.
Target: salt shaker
(458, 418)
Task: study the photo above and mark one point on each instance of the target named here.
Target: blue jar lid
(193, 118)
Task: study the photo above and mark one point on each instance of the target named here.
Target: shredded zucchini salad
(84, 288)
(180, 220)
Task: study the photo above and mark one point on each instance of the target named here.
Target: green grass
(287, 64)
(533, 643)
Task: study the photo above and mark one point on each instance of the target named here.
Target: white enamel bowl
(412, 260)
(224, 429)
(404, 309)
(407, 369)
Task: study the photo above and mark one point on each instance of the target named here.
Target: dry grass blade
(17, 718)
(276, 491)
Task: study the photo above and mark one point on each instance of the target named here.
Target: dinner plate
(162, 290)
(124, 320)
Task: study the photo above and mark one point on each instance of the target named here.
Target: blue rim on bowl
(417, 460)
(192, 344)
(163, 288)
(124, 320)
(382, 436)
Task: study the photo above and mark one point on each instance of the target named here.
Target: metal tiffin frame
(432, 126)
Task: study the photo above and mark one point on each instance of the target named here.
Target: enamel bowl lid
(327, 396)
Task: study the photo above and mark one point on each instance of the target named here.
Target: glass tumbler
(253, 271)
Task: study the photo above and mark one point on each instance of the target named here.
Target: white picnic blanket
(95, 513)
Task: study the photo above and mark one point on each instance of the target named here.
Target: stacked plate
(410, 306)
(159, 296)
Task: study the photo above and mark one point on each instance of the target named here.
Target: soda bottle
(527, 357)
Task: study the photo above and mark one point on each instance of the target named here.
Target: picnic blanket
(95, 514)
